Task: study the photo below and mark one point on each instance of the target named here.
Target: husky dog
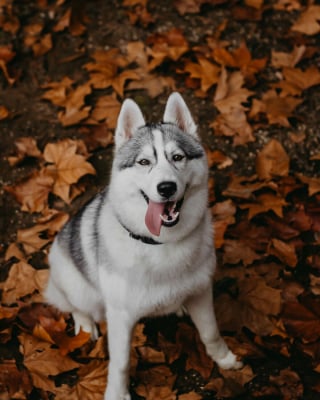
(143, 246)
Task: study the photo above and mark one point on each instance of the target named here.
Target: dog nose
(167, 189)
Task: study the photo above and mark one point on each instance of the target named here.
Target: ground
(249, 72)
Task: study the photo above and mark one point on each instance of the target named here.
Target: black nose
(167, 189)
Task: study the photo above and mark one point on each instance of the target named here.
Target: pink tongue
(153, 219)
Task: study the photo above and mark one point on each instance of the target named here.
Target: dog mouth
(161, 214)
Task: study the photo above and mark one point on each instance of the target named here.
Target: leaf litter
(250, 74)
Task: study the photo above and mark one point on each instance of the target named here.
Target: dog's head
(162, 164)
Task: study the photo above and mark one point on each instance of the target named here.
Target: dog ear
(177, 112)
(129, 120)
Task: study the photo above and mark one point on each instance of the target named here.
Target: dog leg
(119, 341)
(86, 323)
(201, 310)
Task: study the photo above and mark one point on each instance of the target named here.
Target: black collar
(143, 239)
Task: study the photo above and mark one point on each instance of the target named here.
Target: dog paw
(85, 323)
(229, 362)
(109, 396)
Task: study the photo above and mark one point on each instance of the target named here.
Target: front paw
(229, 362)
(110, 395)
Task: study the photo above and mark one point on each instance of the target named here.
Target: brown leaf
(280, 59)
(297, 80)
(14, 383)
(90, 385)
(26, 147)
(42, 361)
(67, 167)
(313, 183)
(22, 281)
(239, 58)
(284, 251)
(223, 216)
(301, 322)
(156, 383)
(216, 157)
(107, 109)
(272, 161)
(289, 383)
(204, 70)
(278, 109)
(235, 251)
(265, 202)
(308, 23)
(171, 44)
(253, 307)
(33, 193)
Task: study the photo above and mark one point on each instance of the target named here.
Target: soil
(108, 27)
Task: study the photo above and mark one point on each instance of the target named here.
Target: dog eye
(178, 157)
(144, 161)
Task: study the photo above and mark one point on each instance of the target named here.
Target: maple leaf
(171, 44)
(244, 188)
(204, 70)
(91, 384)
(33, 193)
(43, 361)
(265, 202)
(26, 147)
(312, 182)
(278, 109)
(238, 250)
(239, 58)
(308, 22)
(104, 72)
(22, 281)
(57, 92)
(281, 59)
(228, 99)
(301, 321)
(107, 109)
(66, 166)
(272, 161)
(156, 383)
(31, 239)
(296, 80)
(284, 251)
(153, 83)
(74, 106)
(253, 307)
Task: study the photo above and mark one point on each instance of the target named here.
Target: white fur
(134, 279)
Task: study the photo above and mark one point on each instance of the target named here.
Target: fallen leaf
(277, 109)
(307, 22)
(33, 193)
(252, 308)
(265, 202)
(272, 161)
(296, 80)
(284, 251)
(66, 166)
(91, 384)
(26, 147)
(205, 71)
(171, 44)
(22, 281)
(281, 59)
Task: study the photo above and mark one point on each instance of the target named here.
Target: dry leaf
(66, 166)
(308, 22)
(272, 161)
(204, 70)
(33, 193)
(284, 251)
